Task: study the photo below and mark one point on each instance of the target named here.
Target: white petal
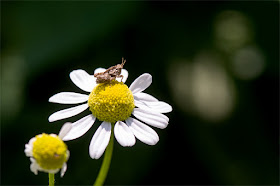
(98, 70)
(152, 118)
(141, 96)
(78, 128)
(157, 106)
(63, 170)
(68, 98)
(34, 167)
(124, 73)
(83, 80)
(100, 140)
(67, 113)
(29, 147)
(141, 83)
(64, 130)
(28, 150)
(123, 134)
(142, 132)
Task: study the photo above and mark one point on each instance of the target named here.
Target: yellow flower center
(49, 151)
(111, 102)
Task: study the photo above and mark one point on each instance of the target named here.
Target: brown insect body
(110, 74)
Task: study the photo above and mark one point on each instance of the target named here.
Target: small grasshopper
(110, 74)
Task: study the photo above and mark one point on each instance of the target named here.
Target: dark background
(216, 63)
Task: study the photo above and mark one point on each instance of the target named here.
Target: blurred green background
(216, 63)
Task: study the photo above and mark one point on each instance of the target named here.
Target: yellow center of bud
(49, 151)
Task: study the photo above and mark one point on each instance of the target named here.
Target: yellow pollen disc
(111, 102)
(50, 152)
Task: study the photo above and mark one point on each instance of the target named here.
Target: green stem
(106, 163)
(51, 179)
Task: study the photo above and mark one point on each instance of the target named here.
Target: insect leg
(121, 77)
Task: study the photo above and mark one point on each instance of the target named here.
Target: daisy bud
(48, 153)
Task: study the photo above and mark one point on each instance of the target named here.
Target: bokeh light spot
(232, 30)
(12, 84)
(248, 63)
(203, 88)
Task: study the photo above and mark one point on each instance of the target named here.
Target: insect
(110, 74)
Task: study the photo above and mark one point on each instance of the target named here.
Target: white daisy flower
(48, 153)
(114, 104)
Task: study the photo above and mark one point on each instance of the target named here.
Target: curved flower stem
(51, 179)
(106, 163)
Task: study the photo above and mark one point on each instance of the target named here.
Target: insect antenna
(123, 62)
